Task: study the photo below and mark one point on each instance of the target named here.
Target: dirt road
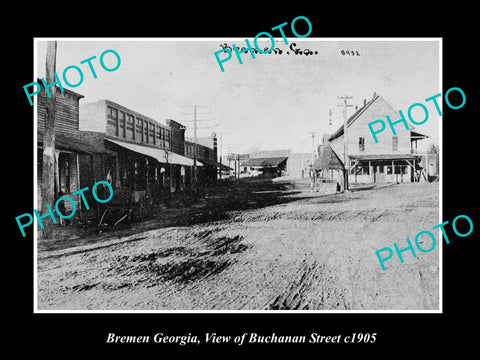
(257, 246)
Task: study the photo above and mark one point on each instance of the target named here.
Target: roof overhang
(161, 155)
(417, 136)
(265, 162)
(373, 157)
(68, 143)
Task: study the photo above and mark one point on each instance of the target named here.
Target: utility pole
(313, 146)
(303, 163)
(48, 160)
(218, 137)
(233, 151)
(195, 147)
(220, 156)
(346, 167)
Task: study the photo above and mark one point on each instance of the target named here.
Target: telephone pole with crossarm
(346, 167)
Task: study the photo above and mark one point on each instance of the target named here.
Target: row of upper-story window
(361, 143)
(125, 125)
(203, 152)
(189, 149)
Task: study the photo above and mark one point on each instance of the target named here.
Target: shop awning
(161, 155)
(157, 154)
(177, 159)
(216, 164)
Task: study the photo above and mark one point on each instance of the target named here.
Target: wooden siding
(379, 109)
(67, 111)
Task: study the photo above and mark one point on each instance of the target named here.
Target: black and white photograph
(223, 180)
(201, 175)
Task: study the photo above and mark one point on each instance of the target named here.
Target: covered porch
(392, 168)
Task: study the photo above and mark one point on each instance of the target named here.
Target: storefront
(383, 168)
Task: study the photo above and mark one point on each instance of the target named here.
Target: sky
(272, 102)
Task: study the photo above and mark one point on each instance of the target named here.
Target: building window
(145, 132)
(395, 143)
(360, 169)
(158, 138)
(112, 121)
(138, 130)
(361, 144)
(151, 133)
(121, 120)
(401, 169)
(167, 138)
(112, 112)
(129, 129)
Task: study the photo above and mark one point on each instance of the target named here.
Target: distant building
(234, 162)
(298, 164)
(207, 156)
(273, 163)
(270, 163)
(266, 166)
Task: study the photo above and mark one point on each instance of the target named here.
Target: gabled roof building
(392, 159)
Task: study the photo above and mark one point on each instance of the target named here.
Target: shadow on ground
(210, 205)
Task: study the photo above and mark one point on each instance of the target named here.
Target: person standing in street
(311, 174)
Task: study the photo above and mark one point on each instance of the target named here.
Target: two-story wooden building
(69, 148)
(392, 159)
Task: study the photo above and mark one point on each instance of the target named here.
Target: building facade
(207, 156)
(143, 160)
(391, 159)
(148, 157)
(68, 148)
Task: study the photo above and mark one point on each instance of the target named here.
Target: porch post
(77, 184)
(393, 171)
(56, 172)
(355, 171)
(117, 172)
(414, 171)
(370, 172)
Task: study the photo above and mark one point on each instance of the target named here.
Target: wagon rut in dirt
(179, 265)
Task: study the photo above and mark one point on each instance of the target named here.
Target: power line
(195, 140)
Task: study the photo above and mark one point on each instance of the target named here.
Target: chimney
(364, 102)
(356, 108)
(374, 94)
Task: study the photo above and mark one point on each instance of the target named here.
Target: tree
(48, 161)
(433, 149)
